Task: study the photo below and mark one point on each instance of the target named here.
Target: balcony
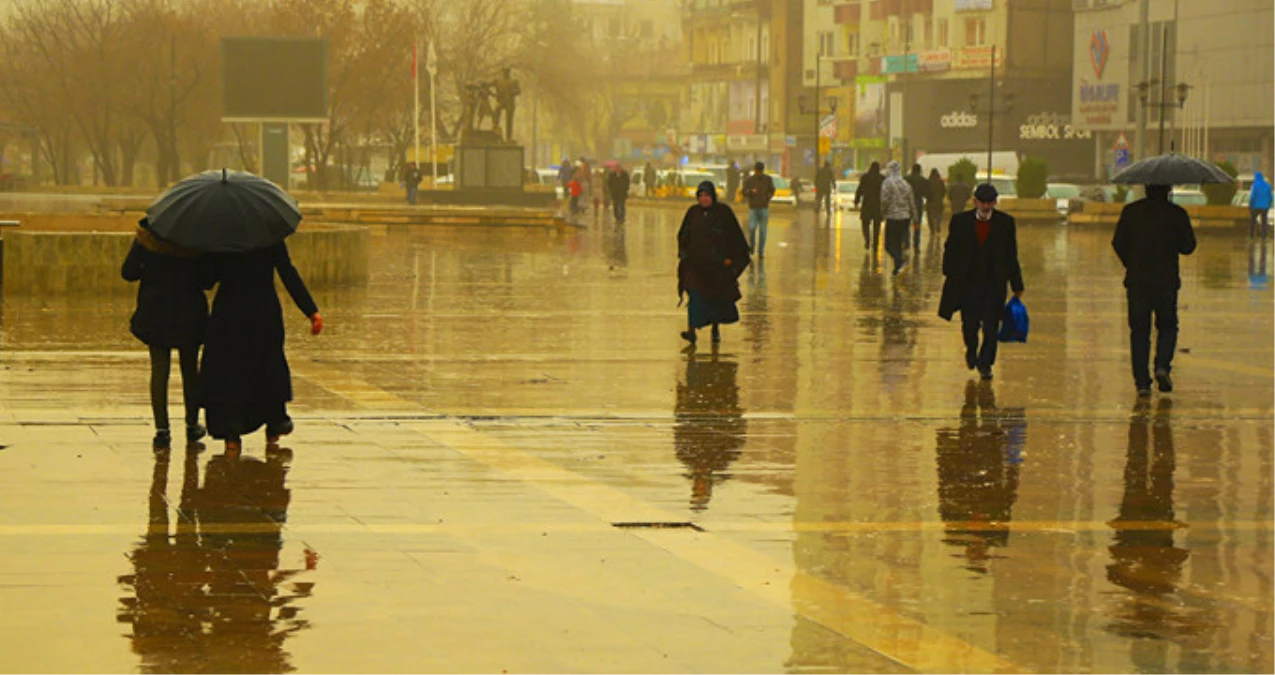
(849, 13)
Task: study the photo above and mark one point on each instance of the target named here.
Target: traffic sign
(1122, 158)
(1121, 142)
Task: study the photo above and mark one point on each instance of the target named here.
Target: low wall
(65, 261)
(1215, 218)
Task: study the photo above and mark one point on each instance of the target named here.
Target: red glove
(316, 324)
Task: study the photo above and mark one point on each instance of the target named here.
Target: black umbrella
(224, 211)
(1172, 169)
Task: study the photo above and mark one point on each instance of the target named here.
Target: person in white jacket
(898, 205)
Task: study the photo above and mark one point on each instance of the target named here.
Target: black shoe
(689, 336)
(1163, 381)
(163, 439)
(194, 432)
(971, 361)
(985, 373)
(274, 431)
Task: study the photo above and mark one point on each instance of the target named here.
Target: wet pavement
(504, 461)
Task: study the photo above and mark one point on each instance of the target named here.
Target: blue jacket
(1259, 197)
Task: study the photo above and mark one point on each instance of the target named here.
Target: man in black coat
(825, 183)
(618, 188)
(921, 192)
(980, 259)
(1150, 235)
(867, 198)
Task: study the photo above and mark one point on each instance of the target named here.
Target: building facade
(1216, 61)
(914, 77)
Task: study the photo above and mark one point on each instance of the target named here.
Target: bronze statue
(507, 91)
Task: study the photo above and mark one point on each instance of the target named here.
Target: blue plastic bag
(1014, 322)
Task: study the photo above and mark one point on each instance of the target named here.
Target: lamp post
(991, 109)
(1144, 88)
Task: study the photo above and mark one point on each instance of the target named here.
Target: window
(929, 32)
(975, 32)
(852, 44)
(892, 34)
(752, 49)
(827, 43)
(942, 33)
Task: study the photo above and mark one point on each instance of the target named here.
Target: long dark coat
(244, 375)
(707, 239)
(868, 195)
(1150, 235)
(961, 255)
(172, 310)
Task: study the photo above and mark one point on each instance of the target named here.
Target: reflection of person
(1150, 235)
(711, 253)
(709, 429)
(171, 314)
(978, 467)
(246, 382)
(211, 598)
(1257, 274)
(1144, 559)
(980, 259)
(867, 198)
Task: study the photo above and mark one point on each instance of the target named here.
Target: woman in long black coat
(712, 252)
(171, 314)
(245, 379)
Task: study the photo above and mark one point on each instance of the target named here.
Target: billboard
(276, 79)
(869, 108)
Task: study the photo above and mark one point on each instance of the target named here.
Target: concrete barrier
(65, 262)
(1223, 218)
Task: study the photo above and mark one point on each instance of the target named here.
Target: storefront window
(975, 32)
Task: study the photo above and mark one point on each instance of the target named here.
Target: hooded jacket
(1259, 196)
(897, 200)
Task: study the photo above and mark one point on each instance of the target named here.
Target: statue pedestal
(484, 165)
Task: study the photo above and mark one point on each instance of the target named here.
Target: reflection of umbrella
(224, 211)
(1171, 169)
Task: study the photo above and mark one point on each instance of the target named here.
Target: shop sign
(958, 119)
(902, 63)
(934, 61)
(746, 142)
(1051, 127)
(1099, 102)
(973, 5)
(977, 57)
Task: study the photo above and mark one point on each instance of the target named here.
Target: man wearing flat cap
(980, 260)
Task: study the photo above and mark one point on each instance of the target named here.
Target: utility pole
(991, 110)
(1144, 49)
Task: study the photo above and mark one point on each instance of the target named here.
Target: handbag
(1014, 322)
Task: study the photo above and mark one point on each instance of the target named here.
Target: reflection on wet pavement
(474, 422)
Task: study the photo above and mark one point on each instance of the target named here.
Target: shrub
(1033, 174)
(965, 169)
(1222, 193)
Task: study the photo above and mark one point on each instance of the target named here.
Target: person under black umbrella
(241, 221)
(712, 252)
(171, 314)
(1150, 235)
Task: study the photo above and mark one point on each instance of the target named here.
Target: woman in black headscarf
(712, 252)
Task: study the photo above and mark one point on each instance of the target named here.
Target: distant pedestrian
(898, 205)
(958, 194)
(711, 253)
(601, 193)
(867, 198)
(921, 193)
(565, 171)
(732, 182)
(825, 183)
(245, 380)
(618, 187)
(980, 259)
(1150, 235)
(413, 182)
(1259, 203)
(648, 180)
(934, 207)
(759, 188)
(172, 312)
(574, 189)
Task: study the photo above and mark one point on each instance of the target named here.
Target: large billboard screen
(274, 79)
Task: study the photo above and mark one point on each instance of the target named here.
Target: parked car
(783, 191)
(1188, 197)
(843, 200)
(1062, 194)
(547, 177)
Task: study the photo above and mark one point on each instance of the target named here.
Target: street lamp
(1144, 93)
(991, 109)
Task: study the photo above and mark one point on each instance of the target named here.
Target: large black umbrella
(224, 211)
(1172, 169)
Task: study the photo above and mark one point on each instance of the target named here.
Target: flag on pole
(431, 60)
(413, 60)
